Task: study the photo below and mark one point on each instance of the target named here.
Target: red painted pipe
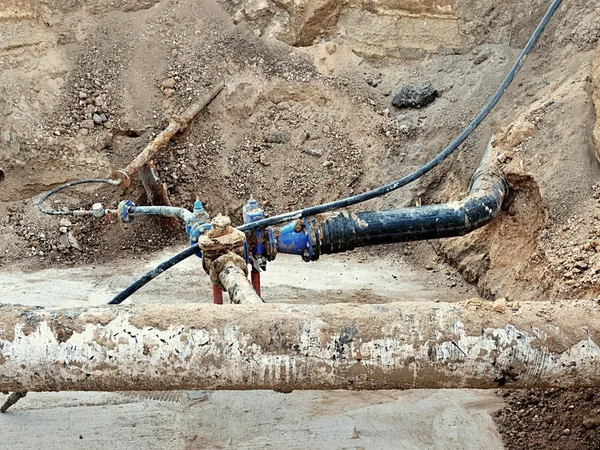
(217, 296)
(255, 278)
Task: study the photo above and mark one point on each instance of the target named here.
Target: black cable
(319, 209)
(149, 276)
(53, 212)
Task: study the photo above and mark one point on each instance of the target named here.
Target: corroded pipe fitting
(222, 244)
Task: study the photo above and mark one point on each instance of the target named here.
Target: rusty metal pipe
(12, 399)
(176, 125)
(285, 347)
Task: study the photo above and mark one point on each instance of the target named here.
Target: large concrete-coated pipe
(287, 347)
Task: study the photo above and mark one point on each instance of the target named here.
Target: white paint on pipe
(288, 347)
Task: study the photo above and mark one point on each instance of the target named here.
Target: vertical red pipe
(217, 296)
(255, 278)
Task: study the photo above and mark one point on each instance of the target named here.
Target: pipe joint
(302, 237)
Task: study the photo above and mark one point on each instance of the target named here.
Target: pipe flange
(122, 176)
(221, 238)
(124, 207)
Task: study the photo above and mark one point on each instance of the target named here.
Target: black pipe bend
(345, 231)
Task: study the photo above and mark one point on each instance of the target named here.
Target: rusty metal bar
(176, 125)
(284, 347)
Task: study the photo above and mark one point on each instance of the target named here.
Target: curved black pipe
(345, 231)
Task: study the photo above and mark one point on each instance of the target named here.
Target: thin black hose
(47, 195)
(149, 276)
(314, 210)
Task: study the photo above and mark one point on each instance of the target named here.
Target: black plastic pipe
(345, 231)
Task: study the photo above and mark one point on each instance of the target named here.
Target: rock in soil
(415, 95)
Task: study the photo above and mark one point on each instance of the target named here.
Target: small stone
(502, 158)
(87, 124)
(64, 241)
(63, 230)
(415, 95)
(314, 135)
(82, 95)
(328, 164)
(103, 118)
(330, 47)
(481, 58)
(589, 423)
(318, 152)
(97, 119)
(566, 431)
(72, 241)
(169, 83)
(277, 137)
(64, 222)
(168, 92)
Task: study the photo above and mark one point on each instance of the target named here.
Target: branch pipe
(176, 125)
(235, 281)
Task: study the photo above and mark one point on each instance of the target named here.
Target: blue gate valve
(197, 224)
(258, 257)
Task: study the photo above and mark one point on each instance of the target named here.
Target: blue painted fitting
(271, 243)
(124, 211)
(199, 207)
(293, 241)
(252, 212)
(197, 224)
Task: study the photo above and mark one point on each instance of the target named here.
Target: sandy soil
(435, 420)
(305, 117)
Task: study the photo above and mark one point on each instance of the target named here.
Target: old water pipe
(176, 125)
(285, 347)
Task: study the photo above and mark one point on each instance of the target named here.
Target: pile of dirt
(550, 419)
